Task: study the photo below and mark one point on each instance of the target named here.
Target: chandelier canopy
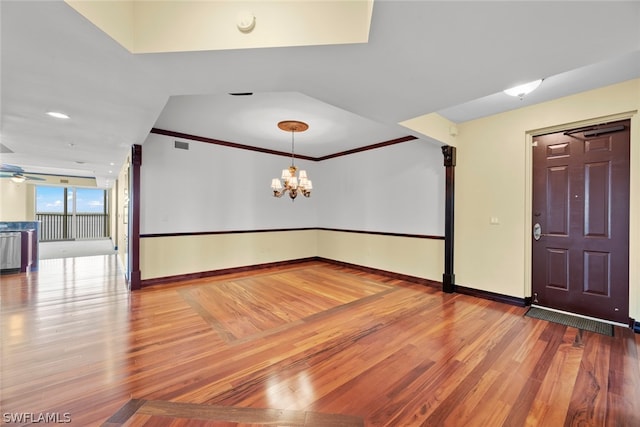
(289, 182)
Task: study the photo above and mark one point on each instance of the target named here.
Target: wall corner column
(448, 278)
(135, 276)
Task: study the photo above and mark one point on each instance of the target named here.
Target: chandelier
(289, 182)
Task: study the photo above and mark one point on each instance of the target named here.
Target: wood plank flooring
(312, 344)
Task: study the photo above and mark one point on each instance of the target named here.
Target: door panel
(597, 181)
(558, 200)
(558, 268)
(597, 279)
(580, 263)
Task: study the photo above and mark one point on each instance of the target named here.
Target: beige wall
(159, 26)
(179, 255)
(122, 200)
(113, 221)
(15, 201)
(434, 126)
(493, 180)
(417, 257)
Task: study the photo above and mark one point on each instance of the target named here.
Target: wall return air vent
(181, 145)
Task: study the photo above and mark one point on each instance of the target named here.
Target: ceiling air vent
(181, 145)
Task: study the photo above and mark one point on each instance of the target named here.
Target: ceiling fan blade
(18, 177)
(16, 172)
(4, 167)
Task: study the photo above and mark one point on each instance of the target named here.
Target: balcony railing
(58, 226)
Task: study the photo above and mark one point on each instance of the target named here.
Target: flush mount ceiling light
(57, 115)
(289, 182)
(522, 90)
(18, 178)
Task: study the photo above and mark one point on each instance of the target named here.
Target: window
(49, 199)
(90, 200)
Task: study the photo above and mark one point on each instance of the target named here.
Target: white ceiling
(422, 57)
(252, 120)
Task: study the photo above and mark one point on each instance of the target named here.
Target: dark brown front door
(580, 253)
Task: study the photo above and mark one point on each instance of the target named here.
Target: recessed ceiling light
(57, 115)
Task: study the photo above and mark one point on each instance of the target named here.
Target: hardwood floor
(313, 344)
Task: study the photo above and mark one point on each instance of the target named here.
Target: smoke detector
(246, 22)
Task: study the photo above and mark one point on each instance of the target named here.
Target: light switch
(494, 220)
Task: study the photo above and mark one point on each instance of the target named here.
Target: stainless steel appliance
(10, 250)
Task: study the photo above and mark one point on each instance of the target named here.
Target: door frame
(634, 208)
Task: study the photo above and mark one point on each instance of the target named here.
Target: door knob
(537, 231)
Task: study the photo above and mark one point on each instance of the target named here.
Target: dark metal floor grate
(573, 321)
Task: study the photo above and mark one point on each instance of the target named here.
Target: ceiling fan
(16, 173)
